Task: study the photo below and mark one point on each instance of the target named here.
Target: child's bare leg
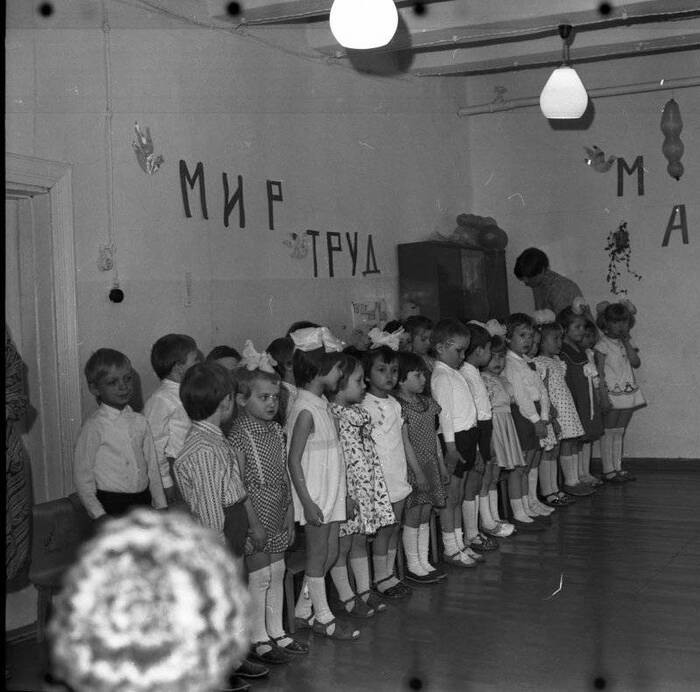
(535, 505)
(339, 572)
(451, 516)
(470, 505)
(625, 415)
(568, 460)
(548, 473)
(515, 494)
(488, 521)
(380, 548)
(317, 539)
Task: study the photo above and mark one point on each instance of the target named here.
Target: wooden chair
(59, 528)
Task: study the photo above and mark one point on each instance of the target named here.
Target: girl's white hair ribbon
(544, 316)
(252, 360)
(313, 338)
(379, 338)
(331, 343)
(495, 328)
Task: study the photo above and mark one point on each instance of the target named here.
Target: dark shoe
(359, 609)
(374, 601)
(612, 477)
(295, 648)
(529, 526)
(422, 579)
(273, 656)
(437, 572)
(304, 623)
(553, 500)
(579, 490)
(482, 544)
(235, 684)
(626, 476)
(342, 630)
(251, 670)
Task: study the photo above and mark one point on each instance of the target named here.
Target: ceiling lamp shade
(564, 97)
(363, 24)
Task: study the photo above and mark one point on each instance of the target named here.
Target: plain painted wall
(534, 180)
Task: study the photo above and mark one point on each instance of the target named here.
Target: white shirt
(527, 387)
(478, 389)
(452, 392)
(115, 452)
(169, 425)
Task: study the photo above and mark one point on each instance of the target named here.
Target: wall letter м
(638, 166)
(186, 179)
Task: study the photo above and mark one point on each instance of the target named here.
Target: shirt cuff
(534, 418)
(448, 437)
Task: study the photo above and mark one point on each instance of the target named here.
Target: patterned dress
(322, 460)
(553, 373)
(579, 379)
(265, 477)
(421, 418)
(18, 509)
(505, 442)
(363, 472)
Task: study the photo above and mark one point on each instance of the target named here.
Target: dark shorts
(118, 504)
(236, 528)
(485, 432)
(526, 429)
(466, 443)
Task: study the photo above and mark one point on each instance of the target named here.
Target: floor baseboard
(21, 634)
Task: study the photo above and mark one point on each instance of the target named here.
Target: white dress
(619, 375)
(387, 422)
(322, 460)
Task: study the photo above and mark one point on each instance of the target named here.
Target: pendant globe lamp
(363, 24)
(564, 97)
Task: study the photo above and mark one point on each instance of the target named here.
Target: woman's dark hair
(310, 364)
(282, 350)
(615, 312)
(409, 362)
(381, 353)
(530, 262)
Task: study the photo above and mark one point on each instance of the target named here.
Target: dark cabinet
(449, 280)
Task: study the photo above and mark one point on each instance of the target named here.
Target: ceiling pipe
(500, 104)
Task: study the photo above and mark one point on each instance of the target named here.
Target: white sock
(317, 589)
(493, 502)
(487, 521)
(459, 538)
(617, 440)
(519, 510)
(535, 505)
(258, 585)
(410, 550)
(303, 608)
(449, 542)
(424, 547)
(569, 467)
(274, 604)
(360, 570)
(470, 516)
(339, 575)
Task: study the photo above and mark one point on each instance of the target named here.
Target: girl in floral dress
(367, 492)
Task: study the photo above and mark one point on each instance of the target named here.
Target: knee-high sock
(317, 589)
(274, 603)
(258, 586)
(606, 450)
(424, 547)
(470, 516)
(584, 460)
(303, 608)
(339, 575)
(519, 510)
(449, 542)
(569, 467)
(360, 569)
(410, 549)
(617, 447)
(487, 520)
(493, 502)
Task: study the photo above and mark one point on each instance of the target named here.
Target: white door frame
(29, 175)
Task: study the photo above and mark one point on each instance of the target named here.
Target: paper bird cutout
(596, 159)
(297, 244)
(143, 146)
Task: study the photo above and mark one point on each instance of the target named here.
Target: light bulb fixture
(564, 97)
(363, 24)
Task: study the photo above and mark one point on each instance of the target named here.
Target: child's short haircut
(448, 329)
(223, 352)
(615, 312)
(381, 353)
(393, 326)
(170, 350)
(416, 323)
(244, 379)
(498, 344)
(203, 388)
(99, 363)
(517, 319)
(409, 362)
(310, 364)
(567, 316)
(478, 338)
(347, 364)
(281, 350)
(530, 262)
(354, 352)
(590, 326)
(550, 327)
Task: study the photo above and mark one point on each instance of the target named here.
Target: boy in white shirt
(115, 465)
(171, 357)
(458, 432)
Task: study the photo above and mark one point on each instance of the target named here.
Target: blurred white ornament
(363, 24)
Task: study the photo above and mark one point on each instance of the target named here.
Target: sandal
(359, 609)
(296, 648)
(459, 559)
(340, 630)
(612, 477)
(482, 544)
(373, 601)
(626, 476)
(394, 593)
(566, 499)
(304, 623)
(553, 500)
(275, 654)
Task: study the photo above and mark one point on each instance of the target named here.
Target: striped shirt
(208, 475)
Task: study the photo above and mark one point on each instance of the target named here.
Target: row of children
(354, 469)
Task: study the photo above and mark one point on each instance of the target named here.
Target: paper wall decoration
(143, 147)
(597, 161)
(671, 126)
